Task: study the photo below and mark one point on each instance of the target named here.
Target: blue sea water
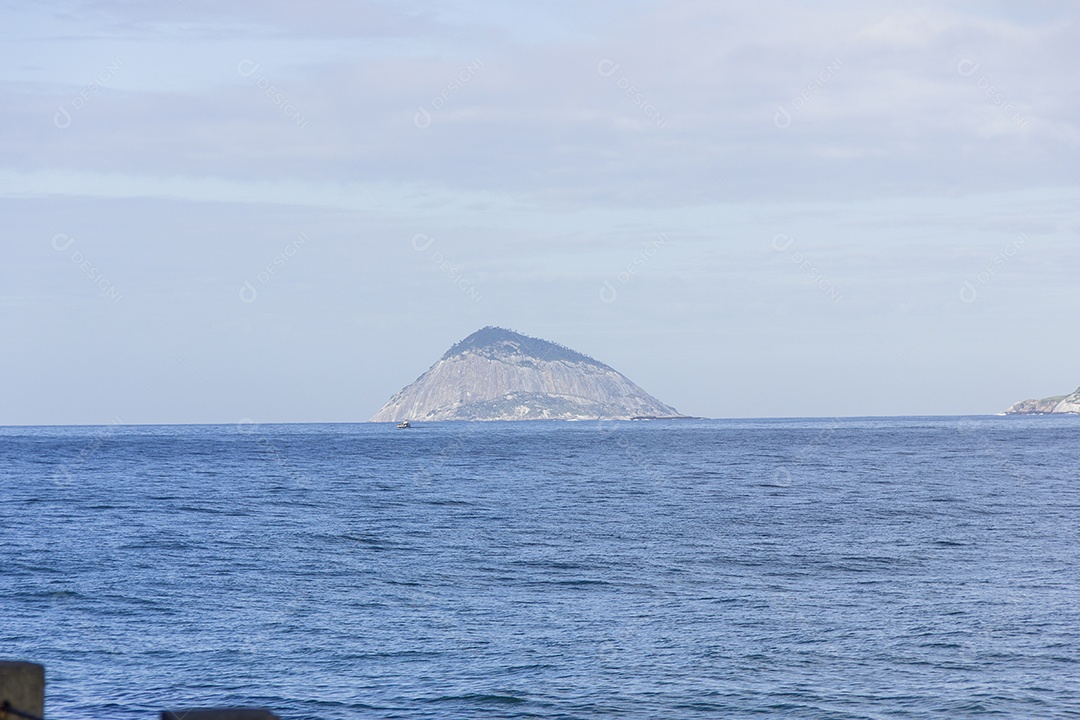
(856, 568)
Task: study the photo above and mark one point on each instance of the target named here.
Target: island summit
(498, 374)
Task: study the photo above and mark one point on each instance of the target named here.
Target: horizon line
(537, 420)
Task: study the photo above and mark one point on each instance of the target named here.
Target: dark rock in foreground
(497, 374)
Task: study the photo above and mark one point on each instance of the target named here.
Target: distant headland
(498, 374)
(1059, 404)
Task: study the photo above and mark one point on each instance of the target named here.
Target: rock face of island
(497, 374)
(1046, 406)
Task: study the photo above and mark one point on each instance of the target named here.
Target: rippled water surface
(898, 568)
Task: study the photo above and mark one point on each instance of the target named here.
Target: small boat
(404, 424)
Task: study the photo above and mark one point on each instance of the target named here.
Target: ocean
(850, 568)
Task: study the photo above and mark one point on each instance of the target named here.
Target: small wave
(365, 540)
(221, 510)
(448, 502)
(950, 544)
(483, 698)
(580, 583)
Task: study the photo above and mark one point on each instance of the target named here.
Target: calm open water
(868, 568)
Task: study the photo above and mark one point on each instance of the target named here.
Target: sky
(286, 212)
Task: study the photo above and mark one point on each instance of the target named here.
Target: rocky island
(1046, 406)
(498, 374)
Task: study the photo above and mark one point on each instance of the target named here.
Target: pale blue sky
(751, 209)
